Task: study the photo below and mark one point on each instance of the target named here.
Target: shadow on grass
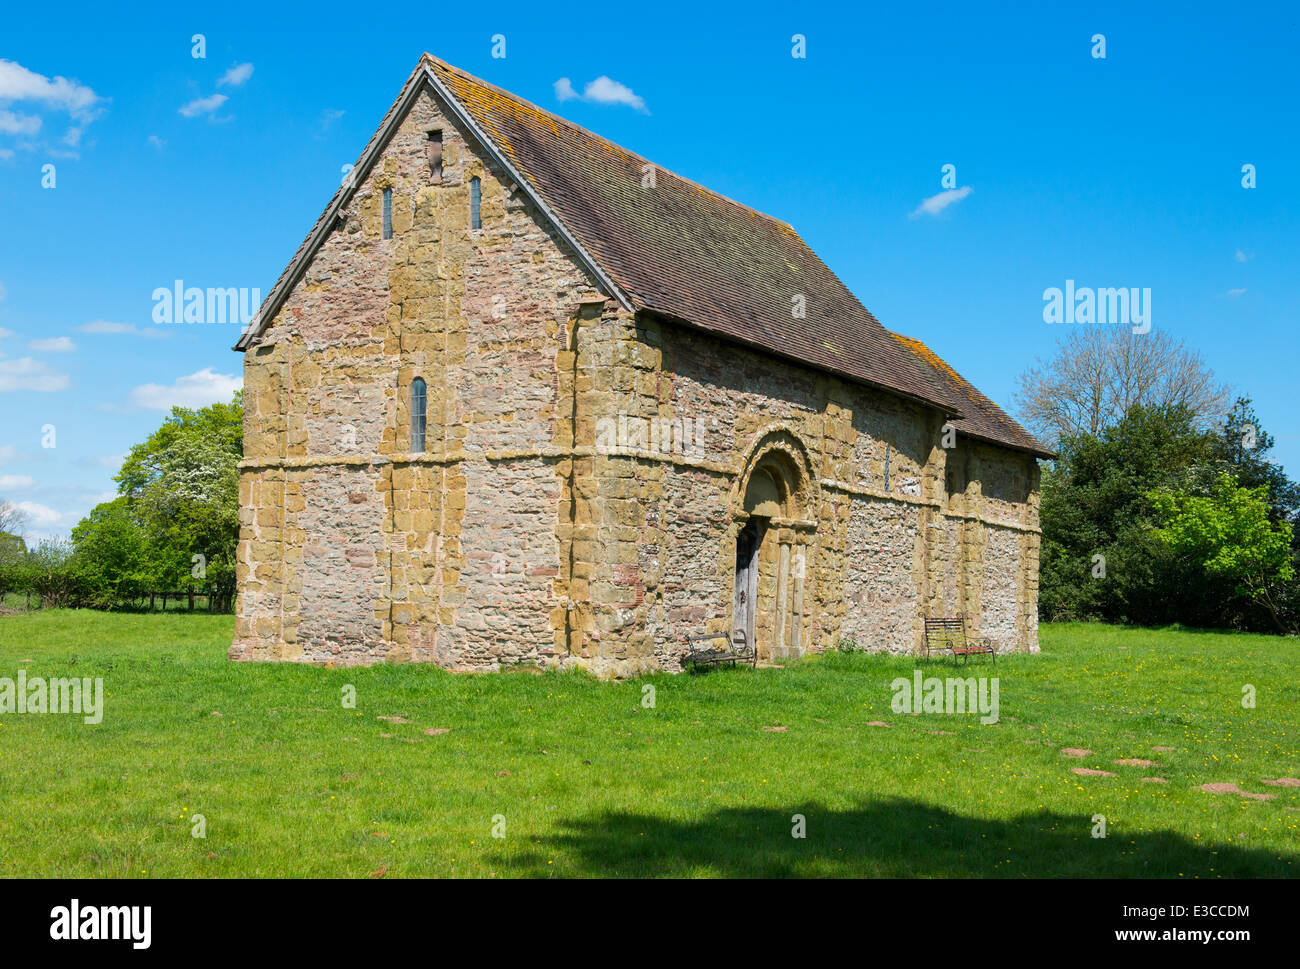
(894, 838)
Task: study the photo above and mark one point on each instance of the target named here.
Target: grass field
(590, 782)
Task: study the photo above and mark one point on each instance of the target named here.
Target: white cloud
(237, 75)
(203, 105)
(19, 124)
(937, 203)
(41, 516)
(17, 83)
(8, 481)
(28, 374)
(327, 119)
(603, 90)
(106, 327)
(195, 390)
(1236, 292)
(155, 142)
(53, 344)
(1242, 257)
(110, 460)
(3, 292)
(8, 452)
(5, 333)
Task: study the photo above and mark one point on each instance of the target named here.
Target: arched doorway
(774, 522)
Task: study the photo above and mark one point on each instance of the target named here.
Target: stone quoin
(628, 434)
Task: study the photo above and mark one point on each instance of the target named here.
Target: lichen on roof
(983, 418)
(685, 252)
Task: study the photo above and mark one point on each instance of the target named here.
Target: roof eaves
(1015, 437)
(1036, 450)
(944, 407)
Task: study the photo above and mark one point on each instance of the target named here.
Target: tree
(1104, 554)
(175, 524)
(1241, 450)
(1099, 559)
(182, 487)
(13, 550)
(112, 556)
(13, 553)
(1229, 535)
(220, 424)
(52, 573)
(11, 518)
(1098, 375)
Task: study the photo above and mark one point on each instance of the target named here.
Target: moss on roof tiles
(981, 417)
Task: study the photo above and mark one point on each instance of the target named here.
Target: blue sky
(1117, 172)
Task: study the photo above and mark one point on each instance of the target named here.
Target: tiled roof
(981, 417)
(687, 253)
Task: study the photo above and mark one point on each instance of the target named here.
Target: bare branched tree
(11, 517)
(1098, 374)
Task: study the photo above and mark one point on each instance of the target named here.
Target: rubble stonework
(587, 468)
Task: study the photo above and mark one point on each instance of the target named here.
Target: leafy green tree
(1102, 554)
(182, 485)
(113, 562)
(175, 524)
(1229, 535)
(51, 570)
(1099, 559)
(1242, 449)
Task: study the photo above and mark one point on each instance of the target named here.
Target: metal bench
(700, 657)
(950, 634)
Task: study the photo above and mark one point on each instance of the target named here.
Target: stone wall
(902, 527)
(353, 549)
(587, 470)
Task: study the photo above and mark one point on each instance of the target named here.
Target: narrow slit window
(475, 203)
(434, 150)
(388, 213)
(417, 415)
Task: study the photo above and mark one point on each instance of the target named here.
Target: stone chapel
(522, 397)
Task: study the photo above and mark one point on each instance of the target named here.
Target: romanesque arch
(774, 513)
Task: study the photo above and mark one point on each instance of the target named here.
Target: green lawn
(590, 782)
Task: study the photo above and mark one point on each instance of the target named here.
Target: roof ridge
(587, 132)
